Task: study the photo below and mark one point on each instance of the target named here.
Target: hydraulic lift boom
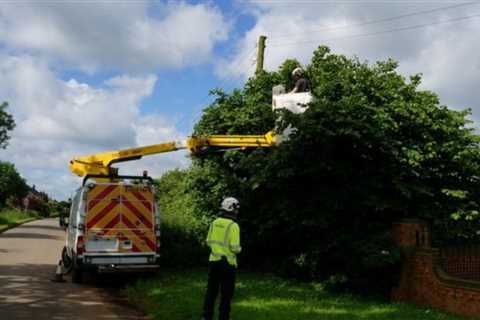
(100, 163)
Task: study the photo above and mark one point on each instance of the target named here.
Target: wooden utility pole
(260, 53)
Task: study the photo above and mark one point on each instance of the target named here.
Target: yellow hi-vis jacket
(224, 240)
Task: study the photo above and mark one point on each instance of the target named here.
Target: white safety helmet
(230, 204)
(297, 72)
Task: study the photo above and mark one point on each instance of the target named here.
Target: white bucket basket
(294, 102)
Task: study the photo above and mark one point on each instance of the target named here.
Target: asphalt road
(28, 258)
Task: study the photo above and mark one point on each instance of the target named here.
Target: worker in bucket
(301, 82)
(224, 241)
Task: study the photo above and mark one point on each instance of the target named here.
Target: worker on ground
(224, 241)
(301, 82)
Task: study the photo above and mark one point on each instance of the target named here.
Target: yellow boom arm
(100, 163)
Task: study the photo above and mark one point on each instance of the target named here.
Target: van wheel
(77, 274)
(67, 261)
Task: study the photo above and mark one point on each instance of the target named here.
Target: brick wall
(423, 280)
(461, 262)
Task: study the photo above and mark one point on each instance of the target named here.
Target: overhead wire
(376, 21)
(251, 55)
(418, 26)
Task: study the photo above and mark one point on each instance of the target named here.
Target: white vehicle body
(113, 226)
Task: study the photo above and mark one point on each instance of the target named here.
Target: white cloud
(58, 120)
(53, 109)
(444, 53)
(154, 129)
(138, 35)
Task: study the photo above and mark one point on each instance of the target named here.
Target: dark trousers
(221, 277)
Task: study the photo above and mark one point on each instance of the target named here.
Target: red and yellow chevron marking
(102, 206)
(142, 240)
(140, 213)
(124, 212)
(101, 193)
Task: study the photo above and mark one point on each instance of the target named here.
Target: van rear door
(138, 218)
(103, 218)
(120, 219)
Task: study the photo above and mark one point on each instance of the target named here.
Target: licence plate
(102, 245)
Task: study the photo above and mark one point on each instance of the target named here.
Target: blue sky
(84, 77)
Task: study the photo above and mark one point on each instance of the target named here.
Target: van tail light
(80, 245)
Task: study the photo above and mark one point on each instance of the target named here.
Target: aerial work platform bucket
(294, 102)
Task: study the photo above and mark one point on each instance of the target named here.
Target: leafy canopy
(370, 150)
(11, 183)
(6, 124)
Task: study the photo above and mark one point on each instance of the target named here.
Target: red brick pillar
(409, 235)
(412, 233)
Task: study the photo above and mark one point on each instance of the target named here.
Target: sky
(83, 77)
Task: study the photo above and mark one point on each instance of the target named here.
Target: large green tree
(12, 185)
(6, 124)
(373, 148)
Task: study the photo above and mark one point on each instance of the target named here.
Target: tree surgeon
(302, 84)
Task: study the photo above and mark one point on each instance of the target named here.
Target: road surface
(28, 257)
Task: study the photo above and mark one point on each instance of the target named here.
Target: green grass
(178, 295)
(10, 218)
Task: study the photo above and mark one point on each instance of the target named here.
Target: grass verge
(178, 295)
(11, 218)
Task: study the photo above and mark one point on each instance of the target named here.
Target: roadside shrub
(181, 240)
(182, 232)
(38, 203)
(12, 185)
(58, 208)
(10, 217)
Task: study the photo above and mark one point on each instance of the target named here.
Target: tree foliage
(6, 124)
(373, 148)
(12, 185)
(182, 230)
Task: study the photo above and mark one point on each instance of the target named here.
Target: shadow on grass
(178, 295)
(261, 307)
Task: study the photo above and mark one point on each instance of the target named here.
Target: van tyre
(67, 261)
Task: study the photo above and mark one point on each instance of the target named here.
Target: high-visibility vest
(224, 240)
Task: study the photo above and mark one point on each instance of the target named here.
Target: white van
(114, 225)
